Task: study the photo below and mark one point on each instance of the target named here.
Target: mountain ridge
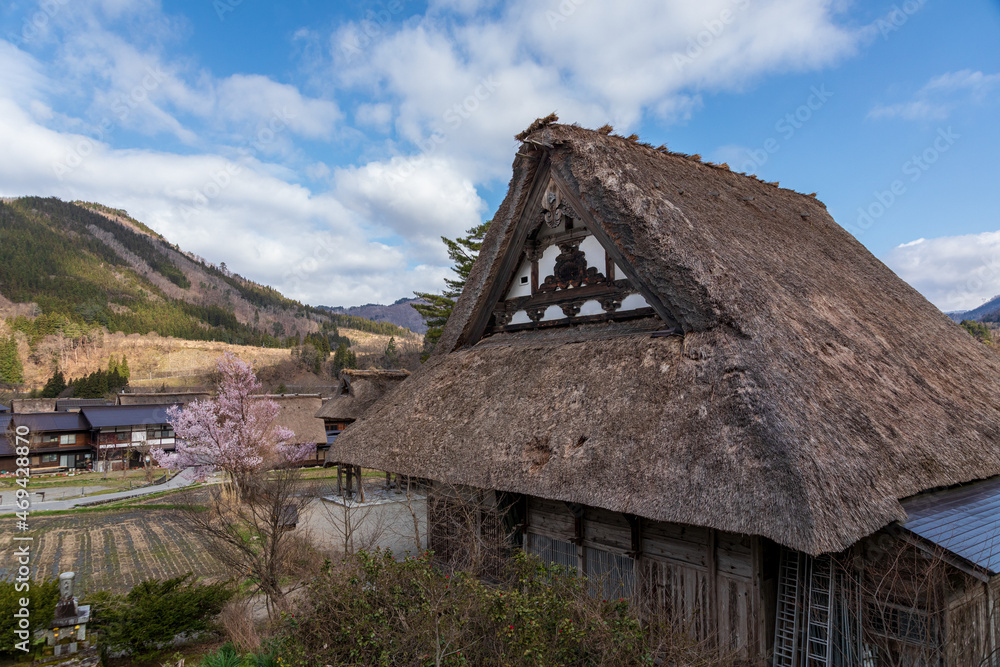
(89, 265)
(399, 312)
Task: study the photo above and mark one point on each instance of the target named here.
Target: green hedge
(154, 612)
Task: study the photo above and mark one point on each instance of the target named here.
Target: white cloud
(953, 272)
(417, 199)
(536, 57)
(942, 95)
(308, 245)
(448, 90)
(377, 116)
(264, 102)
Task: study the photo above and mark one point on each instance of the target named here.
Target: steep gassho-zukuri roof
(810, 391)
(359, 389)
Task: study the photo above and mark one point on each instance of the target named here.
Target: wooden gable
(563, 270)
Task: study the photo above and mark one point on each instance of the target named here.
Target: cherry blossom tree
(234, 432)
(247, 524)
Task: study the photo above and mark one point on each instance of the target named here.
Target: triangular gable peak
(562, 270)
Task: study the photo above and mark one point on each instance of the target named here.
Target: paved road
(182, 479)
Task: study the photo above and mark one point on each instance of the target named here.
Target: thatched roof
(297, 412)
(357, 391)
(24, 405)
(810, 391)
(154, 398)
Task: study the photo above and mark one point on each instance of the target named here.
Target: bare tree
(908, 606)
(250, 531)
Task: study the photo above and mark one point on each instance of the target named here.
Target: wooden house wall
(710, 582)
(971, 622)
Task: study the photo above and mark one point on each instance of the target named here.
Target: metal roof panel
(964, 520)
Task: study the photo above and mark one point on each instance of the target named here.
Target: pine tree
(344, 358)
(391, 353)
(55, 385)
(123, 369)
(11, 370)
(463, 251)
(112, 364)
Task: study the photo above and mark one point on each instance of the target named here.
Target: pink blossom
(234, 431)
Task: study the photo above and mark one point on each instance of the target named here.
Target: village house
(700, 392)
(57, 441)
(123, 435)
(297, 412)
(357, 391)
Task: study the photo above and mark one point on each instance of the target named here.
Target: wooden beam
(937, 551)
(610, 247)
(713, 583)
(522, 227)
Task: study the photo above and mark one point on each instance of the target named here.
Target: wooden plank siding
(709, 582)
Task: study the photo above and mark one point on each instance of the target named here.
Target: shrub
(376, 610)
(42, 596)
(978, 330)
(227, 656)
(154, 612)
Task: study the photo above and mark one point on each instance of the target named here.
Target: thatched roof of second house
(807, 391)
(357, 391)
(157, 398)
(298, 413)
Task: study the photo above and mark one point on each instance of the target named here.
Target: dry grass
(238, 624)
(156, 360)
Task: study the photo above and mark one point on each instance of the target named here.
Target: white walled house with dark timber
(701, 392)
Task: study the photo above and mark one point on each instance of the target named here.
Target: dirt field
(110, 550)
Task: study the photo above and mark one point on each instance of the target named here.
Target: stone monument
(69, 625)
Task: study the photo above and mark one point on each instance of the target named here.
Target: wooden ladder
(786, 631)
(819, 624)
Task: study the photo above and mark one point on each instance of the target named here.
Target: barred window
(551, 550)
(609, 575)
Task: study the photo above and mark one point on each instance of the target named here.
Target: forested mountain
(69, 267)
(988, 312)
(400, 313)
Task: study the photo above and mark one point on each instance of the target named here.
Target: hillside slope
(91, 264)
(73, 275)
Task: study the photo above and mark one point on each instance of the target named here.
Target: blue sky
(324, 148)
